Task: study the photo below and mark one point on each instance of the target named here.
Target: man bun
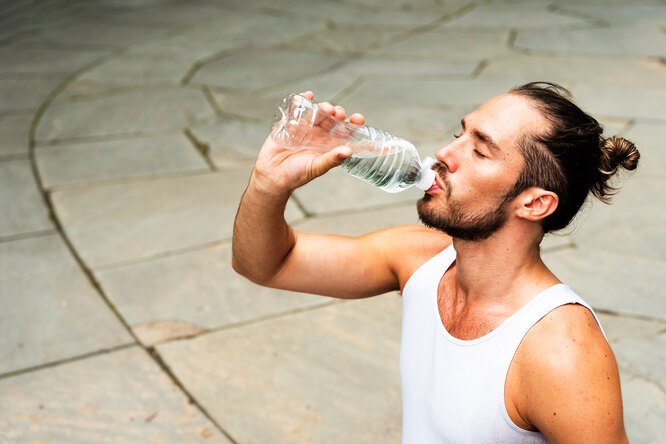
(616, 153)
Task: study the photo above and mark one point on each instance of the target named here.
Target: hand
(279, 171)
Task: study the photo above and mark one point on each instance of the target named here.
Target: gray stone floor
(127, 133)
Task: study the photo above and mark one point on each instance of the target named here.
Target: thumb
(331, 159)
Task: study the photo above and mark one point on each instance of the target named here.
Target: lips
(438, 184)
(435, 186)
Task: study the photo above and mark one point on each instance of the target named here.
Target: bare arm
(570, 381)
(268, 252)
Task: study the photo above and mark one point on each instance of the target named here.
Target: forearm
(262, 239)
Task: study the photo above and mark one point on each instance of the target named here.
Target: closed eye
(480, 154)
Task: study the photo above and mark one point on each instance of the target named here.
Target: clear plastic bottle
(380, 158)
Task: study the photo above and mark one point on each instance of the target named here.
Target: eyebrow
(483, 137)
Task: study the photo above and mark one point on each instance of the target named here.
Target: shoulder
(570, 383)
(408, 247)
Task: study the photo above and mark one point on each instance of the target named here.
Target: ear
(536, 204)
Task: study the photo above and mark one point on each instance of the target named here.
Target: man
(495, 348)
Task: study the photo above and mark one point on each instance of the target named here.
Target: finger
(330, 160)
(327, 107)
(340, 113)
(357, 119)
(308, 95)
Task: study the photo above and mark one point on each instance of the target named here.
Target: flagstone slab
(427, 92)
(327, 87)
(649, 141)
(364, 15)
(620, 328)
(22, 94)
(360, 222)
(644, 406)
(369, 66)
(127, 112)
(122, 396)
(144, 69)
(621, 283)
(198, 288)
(15, 134)
(643, 357)
(622, 101)
(227, 31)
(232, 142)
(169, 13)
(641, 363)
(129, 221)
(338, 191)
(29, 58)
(98, 35)
(607, 70)
(118, 159)
(345, 40)
(307, 375)
(534, 15)
(418, 124)
(621, 14)
(51, 311)
(449, 45)
(616, 41)
(260, 108)
(23, 210)
(634, 224)
(258, 68)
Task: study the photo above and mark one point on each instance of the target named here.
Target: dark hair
(571, 158)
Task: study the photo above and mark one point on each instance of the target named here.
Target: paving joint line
(59, 362)
(69, 245)
(28, 235)
(201, 147)
(157, 358)
(146, 178)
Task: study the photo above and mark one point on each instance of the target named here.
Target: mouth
(438, 185)
(435, 186)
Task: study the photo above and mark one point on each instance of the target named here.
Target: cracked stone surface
(128, 131)
(51, 311)
(69, 164)
(122, 395)
(132, 112)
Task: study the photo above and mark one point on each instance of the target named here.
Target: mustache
(441, 169)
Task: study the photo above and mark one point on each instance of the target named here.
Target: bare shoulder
(570, 385)
(409, 247)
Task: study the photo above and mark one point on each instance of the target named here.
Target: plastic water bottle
(380, 158)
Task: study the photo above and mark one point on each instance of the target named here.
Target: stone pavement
(127, 133)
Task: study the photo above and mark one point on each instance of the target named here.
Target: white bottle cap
(427, 174)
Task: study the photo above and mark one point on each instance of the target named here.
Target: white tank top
(453, 390)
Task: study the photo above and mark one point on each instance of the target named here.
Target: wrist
(262, 189)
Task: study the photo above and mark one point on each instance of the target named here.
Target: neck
(502, 269)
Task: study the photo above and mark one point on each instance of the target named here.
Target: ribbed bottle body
(380, 158)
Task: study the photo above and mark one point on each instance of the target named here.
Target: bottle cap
(427, 174)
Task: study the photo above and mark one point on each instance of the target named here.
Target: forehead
(507, 118)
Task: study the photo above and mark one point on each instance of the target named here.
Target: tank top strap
(547, 301)
(542, 304)
(431, 272)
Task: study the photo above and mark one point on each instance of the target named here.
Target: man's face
(478, 169)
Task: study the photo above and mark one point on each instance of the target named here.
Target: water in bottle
(380, 158)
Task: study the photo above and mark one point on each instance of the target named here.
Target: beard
(457, 221)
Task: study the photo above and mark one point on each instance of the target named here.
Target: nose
(448, 156)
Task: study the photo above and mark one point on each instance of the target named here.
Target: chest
(461, 319)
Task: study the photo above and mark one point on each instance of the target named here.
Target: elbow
(248, 272)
